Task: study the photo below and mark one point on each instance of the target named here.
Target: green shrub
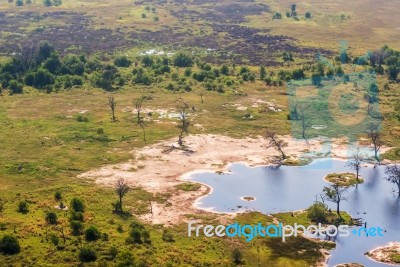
(138, 234)
(16, 87)
(9, 245)
(81, 118)
(76, 216)
(317, 212)
(237, 256)
(113, 252)
(168, 236)
(76, 227)
(23, 207)
(87, 254)
(122, 61)
(183, 60)
(57, 195)
(51, 217)
(77, 205)
(92, 234)
(126, 259)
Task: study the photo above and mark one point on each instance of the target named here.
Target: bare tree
(112, 104)
(379, 56)
(376, 139)
(294, 113)
(184, 121)
(305, 124)
(275, 142)
(334, 193)
(61, 230)
(393, 172)
(27, 56)
(355, 163)
(140, 120)
(122, 188)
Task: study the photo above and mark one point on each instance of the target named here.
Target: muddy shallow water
(294, 188)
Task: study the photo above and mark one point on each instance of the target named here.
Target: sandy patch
(384, 254)
(159, 172)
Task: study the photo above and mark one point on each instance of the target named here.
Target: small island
(343, 179)
(248, 198)
(349, 265)
(389, 254)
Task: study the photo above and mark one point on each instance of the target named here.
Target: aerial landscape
(200, 133)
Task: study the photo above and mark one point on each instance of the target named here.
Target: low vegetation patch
(188, 187)
(343, 179)
(389, 254)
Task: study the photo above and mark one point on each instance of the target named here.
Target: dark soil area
(227, 13)
(228, 40)
(76, 35)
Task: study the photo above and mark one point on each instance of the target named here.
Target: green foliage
(87, 254)
(81, 118)
(122, 61)
(92, 234)
(147, 61)
(277, 15)
(76, 216)
(73, 65)
(237, 256)
(77, 205)
(168, 236)
(141, 76)
(188, 187)
(19, 2)
(51, 217)
(16, 87)
(23, 207)
(287, 56)
(40, 79)
(54, 240)
(76, 227)
(138, 234)
(183, 60)
(308, 15)
(318, 212)
(106, 78)
(52, 3)
(58, 195)
(263, 73)
(224, 70)
(126, 259)
(9, 245)
(298, 74)
(113, 252)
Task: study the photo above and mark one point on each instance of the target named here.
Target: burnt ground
(75, 35)
(231, 41)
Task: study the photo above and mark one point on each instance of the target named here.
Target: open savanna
(48, 140)
(365, 25)
(45, 147)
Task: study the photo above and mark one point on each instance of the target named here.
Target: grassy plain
(44, 147)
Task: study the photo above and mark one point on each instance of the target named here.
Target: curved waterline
(288, 188)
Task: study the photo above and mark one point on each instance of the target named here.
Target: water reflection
(282, 189)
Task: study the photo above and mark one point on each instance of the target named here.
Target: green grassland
(48, 139)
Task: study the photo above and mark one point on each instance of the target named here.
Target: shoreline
(392, 245)
(158, 172)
